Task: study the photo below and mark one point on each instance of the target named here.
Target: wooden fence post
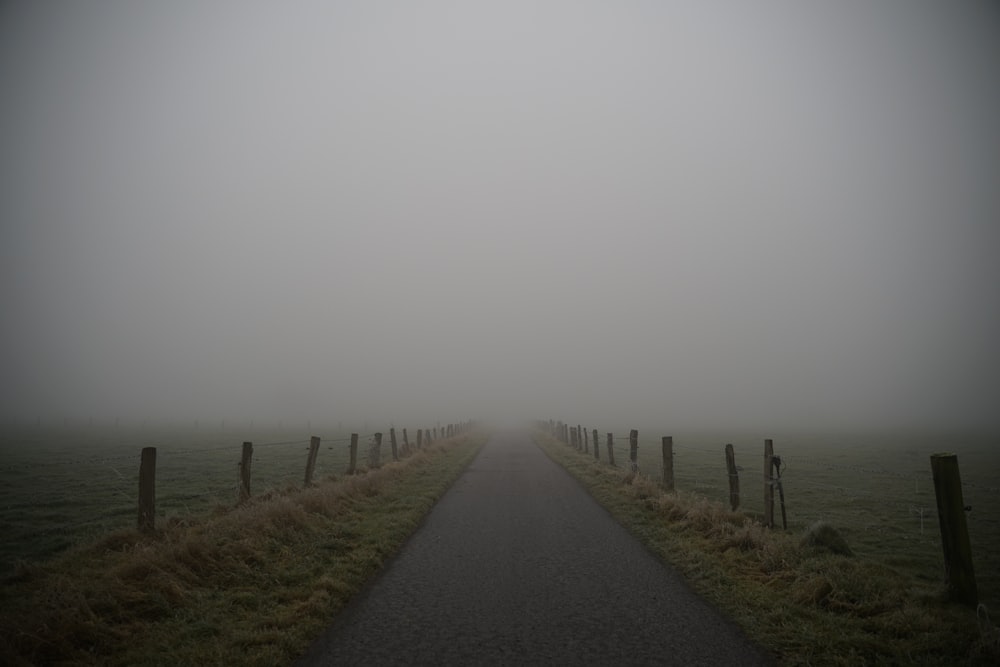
(406, 444)
(597, 447)
(586, 441)
(954, 530)
(375, 452)
(392, 442)
(420, 438)
(311, 459)
(245, 462)
(668, 463)
(734, 478)
(352, 467)
(147, 490)
(768, 483)
(633, 449)
(776, 460)
(611, 449)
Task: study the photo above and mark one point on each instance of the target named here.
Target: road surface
(518, 565)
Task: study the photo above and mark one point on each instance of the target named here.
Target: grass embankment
(249, 585)
(804, 603)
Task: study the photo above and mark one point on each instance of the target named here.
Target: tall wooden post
(668, 463)
(392, 443)
(633, 449)
(147, 490)
(734, 478)
(768, 483)
(586, 441)
(311, 459)
(611, 449)
(245, 461)
(352, 467)
(406, 444)
(597, 447)
(420, 438)
(954, 529)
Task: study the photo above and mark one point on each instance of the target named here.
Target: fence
(52, 496)
(879, 490)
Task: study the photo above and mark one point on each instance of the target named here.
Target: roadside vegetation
(803, 597)
(250, 585)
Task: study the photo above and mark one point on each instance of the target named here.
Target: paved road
(518, 565)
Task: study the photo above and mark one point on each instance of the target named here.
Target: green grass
(804, 604)
(64, 485)
(254, 584)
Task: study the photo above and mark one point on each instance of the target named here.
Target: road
(518, 565)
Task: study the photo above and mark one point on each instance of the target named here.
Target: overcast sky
(693, 213)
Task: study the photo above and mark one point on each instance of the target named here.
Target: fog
(781, 214)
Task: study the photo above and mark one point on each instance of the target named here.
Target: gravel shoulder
(518, 565)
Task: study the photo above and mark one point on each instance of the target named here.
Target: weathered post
(781, 491)
(392, 442)
(611, 449)
(586, 441)
(734, 478)
(768, 483)
(633, 449)
(375, 452)
(597, 447)
(668, 463)
(954, 529)
(352, 467)
(147, 490)
(245, 462)
(406, 444)
(420, 438)
(311, 459)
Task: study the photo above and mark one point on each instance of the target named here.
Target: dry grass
(250, 585)
(796, 597)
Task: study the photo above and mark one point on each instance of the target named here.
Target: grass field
(62, 485)
(806, 604)
(252, 584)
(876, 489)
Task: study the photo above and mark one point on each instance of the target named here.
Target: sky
(726, 214)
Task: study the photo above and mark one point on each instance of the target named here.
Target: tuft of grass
(253, 584)
(802, 598)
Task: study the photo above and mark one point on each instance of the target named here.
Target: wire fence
(58, 487)
(878, 491)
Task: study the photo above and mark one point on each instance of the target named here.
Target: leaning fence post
(668, 463)
(734, 478)
(582, 439)
(311, 459)
(597, 447)
(147, 490)
(633, 449)
(768, 483)
(611, 449)
(406, 444)
(954, 530)
(353, 465)
(776, 460)
(392, 442)
(245, 462)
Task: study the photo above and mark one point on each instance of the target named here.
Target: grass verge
(251, 585)
(802, 602)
